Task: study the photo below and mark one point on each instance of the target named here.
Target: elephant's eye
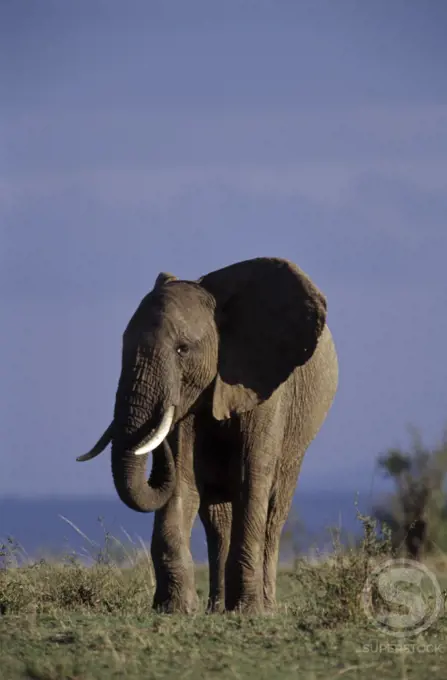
(182, 350)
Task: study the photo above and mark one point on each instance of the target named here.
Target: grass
(68, 621)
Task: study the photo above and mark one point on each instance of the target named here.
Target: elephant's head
(233, 336)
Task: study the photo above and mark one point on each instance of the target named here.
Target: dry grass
(68, 621)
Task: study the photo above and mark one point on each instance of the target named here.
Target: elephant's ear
(164, 277)
(269, 315)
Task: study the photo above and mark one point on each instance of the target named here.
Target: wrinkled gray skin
(247, 360)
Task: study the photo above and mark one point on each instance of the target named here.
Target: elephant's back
(323, 367)
(313, 388)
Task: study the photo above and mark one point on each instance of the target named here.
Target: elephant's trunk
(142, 421)
(129, 476)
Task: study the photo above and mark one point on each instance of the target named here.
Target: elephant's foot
(270, 607)
(243, 592)
(270, 604)
(178, 603)
(245, 605)
(215, 605)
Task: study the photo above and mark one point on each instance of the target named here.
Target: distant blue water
(36, 525)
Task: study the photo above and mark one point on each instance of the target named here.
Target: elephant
(226, 380)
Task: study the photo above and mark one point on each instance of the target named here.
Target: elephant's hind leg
(279, 507)
(216, 520)
(275, 523)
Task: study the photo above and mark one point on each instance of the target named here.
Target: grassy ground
(72, 622)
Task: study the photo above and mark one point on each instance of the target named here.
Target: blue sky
(141, 137)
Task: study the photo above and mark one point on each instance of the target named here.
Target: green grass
(66, 621)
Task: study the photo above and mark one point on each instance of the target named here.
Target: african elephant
(226, 380)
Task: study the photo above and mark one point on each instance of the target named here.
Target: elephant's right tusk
(99, 446)
(159, 435)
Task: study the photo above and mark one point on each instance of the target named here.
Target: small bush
(44, 587)
(105, 586)
(331, 589)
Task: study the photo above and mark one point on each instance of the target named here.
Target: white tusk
(159, 435)
(99, 446)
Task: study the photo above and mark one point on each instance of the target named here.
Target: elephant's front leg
(170, 549)
(171, 555)
(244, 568)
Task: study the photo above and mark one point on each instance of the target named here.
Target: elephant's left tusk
(159, 435)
